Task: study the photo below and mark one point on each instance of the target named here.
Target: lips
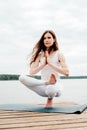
(47, 43)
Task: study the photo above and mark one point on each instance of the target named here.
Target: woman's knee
(21, 78)
(50, 91)
(58, 94)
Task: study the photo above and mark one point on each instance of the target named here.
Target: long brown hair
(41, 47)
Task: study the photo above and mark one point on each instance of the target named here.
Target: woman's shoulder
(60, 53)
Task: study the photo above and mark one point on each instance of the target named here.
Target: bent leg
(40, 88)
(35, 85)
(29, 81)
(58, 87)
(50, 91)
(54, 90)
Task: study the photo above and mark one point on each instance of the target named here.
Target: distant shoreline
(16, 77)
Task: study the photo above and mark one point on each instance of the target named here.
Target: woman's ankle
(49, 103)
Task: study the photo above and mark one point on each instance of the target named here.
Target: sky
(22, 22)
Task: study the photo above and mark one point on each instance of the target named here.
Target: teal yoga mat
(68, 109)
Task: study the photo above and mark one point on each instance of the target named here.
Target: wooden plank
(74, 122)
(42, 115)
(24, 113)
(51, 125)
(47, 117)
(28, 128)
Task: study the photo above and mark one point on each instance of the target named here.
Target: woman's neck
(47, 49)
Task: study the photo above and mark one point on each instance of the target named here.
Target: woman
(46, 58)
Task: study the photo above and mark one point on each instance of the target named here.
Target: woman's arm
(63, 69)
(35, 68)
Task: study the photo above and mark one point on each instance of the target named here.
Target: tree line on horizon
(16, 77)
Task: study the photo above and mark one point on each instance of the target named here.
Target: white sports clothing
(38, 85)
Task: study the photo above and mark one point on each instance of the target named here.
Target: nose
(46, 40)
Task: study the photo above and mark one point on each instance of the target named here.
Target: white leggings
(40, 88)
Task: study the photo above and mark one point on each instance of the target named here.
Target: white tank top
(47, 70)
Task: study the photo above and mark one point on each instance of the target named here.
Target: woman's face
(48, 40)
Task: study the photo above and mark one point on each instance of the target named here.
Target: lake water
(74, 90)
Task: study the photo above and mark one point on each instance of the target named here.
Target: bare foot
(52, 80)
(49, 103)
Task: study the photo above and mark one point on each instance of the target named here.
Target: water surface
(74, 90)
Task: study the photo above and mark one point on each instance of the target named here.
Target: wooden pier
(19, 120)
